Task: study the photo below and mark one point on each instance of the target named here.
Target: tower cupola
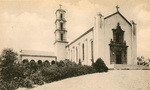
(60, 32)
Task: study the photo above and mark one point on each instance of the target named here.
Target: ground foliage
(27, 74)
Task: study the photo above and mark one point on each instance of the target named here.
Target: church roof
(91, 29)
(36, 53)
(120, 15)
(60, 10)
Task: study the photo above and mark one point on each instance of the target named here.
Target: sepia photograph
(74, 45)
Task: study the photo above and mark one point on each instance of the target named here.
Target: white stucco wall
(134, 43)
(73, 55)
(36, 58)
(98, 37)
(60, 50)
(111, 23)
(101, 35)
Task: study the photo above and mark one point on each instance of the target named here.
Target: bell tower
(60, 34)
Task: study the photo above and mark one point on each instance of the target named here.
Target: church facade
(112, 38)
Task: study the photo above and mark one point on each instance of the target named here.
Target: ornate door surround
(118, 47)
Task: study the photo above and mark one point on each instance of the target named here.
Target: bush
(65, 69)
(27, 83)
(11, 85)
(69, 63)
(50, 73)
(27, 74)
(7, 86)
(25, 61)
(100, 66)
(8, 56)
(60, 64)
(46, 63)
(37, 78)
(40, 62)
(53, 62)
(12, 71)
(33, 65)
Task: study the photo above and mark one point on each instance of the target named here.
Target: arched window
(46, 63)
(118, 37)
(32, 63)
(61, 37)
(61, 16)
(25, 61)
(52, 62)
(71, 55)
(39, 62)
(76, 54)
(83, 50)
(92, 50)
(61, 25)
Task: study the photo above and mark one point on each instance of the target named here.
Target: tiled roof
(40, 53)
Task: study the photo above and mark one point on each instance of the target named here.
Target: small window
(83, 50)
(118, 37)
(76, 54)
(92, 50)
(61, 16)
(71, 55)
(61, 25)
(61, 37)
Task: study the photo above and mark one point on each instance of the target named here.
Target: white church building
(112, 38)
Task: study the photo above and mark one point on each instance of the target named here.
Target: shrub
(39, 62)
(53, 62)
(8, 56)
(60, 64)
(80, 62)
(69, 63)
(25, 61)
(27, 83)
(46, 63)
(50, 73)
(65, 69)
(12, 71)
(6, 86)
(100, 66)
(37, 78)
(11, 85)
(25, 75)
(33, 65)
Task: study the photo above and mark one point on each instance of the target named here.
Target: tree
(8, 57)
(100, 66)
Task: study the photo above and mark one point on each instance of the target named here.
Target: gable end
(120, 15)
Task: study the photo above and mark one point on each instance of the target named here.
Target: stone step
(130, 67)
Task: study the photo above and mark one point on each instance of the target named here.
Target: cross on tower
(60, 5)
(117, 7)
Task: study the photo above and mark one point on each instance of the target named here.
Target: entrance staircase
(130, 67)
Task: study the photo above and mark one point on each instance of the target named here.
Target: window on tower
(61, 25)
(118, 37)
(61, 16)
(61, 37)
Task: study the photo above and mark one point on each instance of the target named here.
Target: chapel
(112, 38)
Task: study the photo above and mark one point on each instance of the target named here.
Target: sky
(29, 24)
